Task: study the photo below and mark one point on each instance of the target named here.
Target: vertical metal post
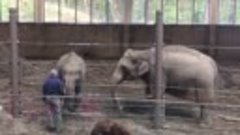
(177, 14)
(91, 10)
(59, 10)
(146, 11)
(76, 11)
(159, 112)
(107, 11)
(14, 61)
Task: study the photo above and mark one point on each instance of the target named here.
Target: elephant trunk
(117, 77)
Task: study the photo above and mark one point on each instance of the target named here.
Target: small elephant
(72, 70)
(109, 127)
(188, 73)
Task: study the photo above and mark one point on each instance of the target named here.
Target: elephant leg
(66, 104)
(70, 105)
(148, 92)
(201, 107)
(76, 101)
(203, 112)
(204, 117)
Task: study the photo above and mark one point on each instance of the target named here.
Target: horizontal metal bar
(140, 45)
(91, 116)
(122, 99)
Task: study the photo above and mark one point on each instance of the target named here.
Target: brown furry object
(109, 127)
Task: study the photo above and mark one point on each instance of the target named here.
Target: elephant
(72, 71)
(187, 73)
(109, 127)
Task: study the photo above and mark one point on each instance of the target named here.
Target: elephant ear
(143, 68)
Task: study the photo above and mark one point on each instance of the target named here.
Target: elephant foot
(205, 123)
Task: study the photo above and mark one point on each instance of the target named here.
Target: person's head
(54, 72)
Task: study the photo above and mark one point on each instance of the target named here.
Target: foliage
(4, 9)
(185, 8)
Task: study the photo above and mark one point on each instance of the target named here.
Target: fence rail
(95, 98)
(139, 45)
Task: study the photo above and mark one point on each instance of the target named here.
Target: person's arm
(61, 88)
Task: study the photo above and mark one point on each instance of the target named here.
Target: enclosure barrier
(159, 113)
(15, 61)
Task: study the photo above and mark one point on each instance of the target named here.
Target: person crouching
(52, 92)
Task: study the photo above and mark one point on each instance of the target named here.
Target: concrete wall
(141, 36)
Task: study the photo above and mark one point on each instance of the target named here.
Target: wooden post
(159, 112)
(59, 10)
(193, 11)
(107, 11)
(128, 4)
(162, 5)
(76, 11)
(14, 61)
(177, 10)
(18, 6)
(213, 20)
(146, 11)
(39, 6)
(91, 11)
(236, 15)
(233, 14)
(1, 6)
(213, 11)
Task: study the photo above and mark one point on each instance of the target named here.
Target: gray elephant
(72, 70)
(188, 73)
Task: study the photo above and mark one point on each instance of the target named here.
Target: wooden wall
(50, 40)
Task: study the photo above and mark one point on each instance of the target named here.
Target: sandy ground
(225, 121)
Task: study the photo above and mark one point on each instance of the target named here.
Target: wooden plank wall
(140, 36)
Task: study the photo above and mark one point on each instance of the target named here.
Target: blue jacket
(53, 86)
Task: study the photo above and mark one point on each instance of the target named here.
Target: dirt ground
(225, 121)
